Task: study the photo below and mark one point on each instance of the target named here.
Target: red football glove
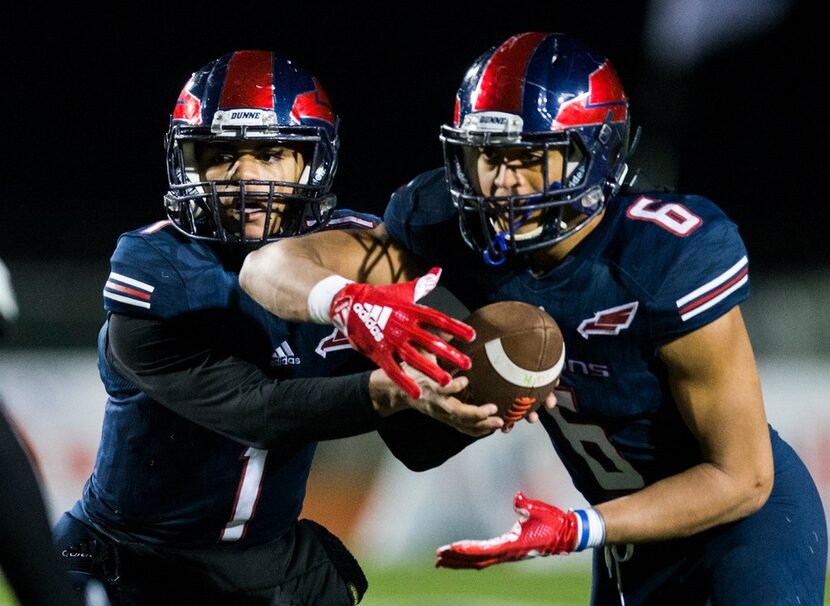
(384, 324)
(541, 530)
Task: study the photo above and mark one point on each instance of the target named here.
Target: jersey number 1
(247, 494)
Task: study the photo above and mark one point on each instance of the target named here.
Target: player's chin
(253, 229)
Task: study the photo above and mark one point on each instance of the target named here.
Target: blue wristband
(590, 530)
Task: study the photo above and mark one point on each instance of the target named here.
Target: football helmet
(256, 96)
(541, 92)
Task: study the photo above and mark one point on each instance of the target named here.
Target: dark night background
(89, 93)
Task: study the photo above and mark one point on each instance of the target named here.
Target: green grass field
(422, 585)
(508, 585)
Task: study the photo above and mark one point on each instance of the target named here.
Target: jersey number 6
(611, 471)
(671, 216)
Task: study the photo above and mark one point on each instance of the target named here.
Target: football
(517, 355)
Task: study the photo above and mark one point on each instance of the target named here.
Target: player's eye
(274, 154)
(217, 158)
(532, 160)
(490, 155)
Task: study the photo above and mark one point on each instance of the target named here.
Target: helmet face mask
(499, 219)
(546, 94)
(224, 104)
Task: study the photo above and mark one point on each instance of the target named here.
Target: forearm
(690, 502)
(421, 442)
(230, 396)
(716, 389)
(262, 412)
(280, 276)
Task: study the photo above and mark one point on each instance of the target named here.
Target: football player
(660, 418)
(28, 559)
(214, 409)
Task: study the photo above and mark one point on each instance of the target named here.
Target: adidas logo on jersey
(284, 356)
(374, 317)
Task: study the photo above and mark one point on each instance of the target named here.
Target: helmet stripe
(188, 107)
(605, 93)
(313, 104)
(502, 84)
(249, 81)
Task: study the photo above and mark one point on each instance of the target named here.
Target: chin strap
(495, 254)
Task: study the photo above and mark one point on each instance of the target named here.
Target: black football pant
(308, 566)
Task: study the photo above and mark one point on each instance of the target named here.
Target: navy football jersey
(162, 478)
(657, 266)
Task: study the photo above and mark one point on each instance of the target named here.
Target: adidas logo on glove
(374, 317)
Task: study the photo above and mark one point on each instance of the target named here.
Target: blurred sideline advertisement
(387, 513)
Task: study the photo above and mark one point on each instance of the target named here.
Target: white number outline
(247, 495)
(671, 216)
(577, 434)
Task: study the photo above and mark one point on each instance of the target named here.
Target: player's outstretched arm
(714, 381)
(541, 530)
(187, 369)
(312, 278)
(281, 275)
(436, 401)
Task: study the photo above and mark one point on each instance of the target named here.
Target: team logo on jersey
(334, 342)
(284, 356)
(609, 321)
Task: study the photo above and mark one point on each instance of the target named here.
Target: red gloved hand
(383, 322)
(541, 530)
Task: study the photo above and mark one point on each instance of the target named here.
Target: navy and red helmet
(546, 92)
(251, 95)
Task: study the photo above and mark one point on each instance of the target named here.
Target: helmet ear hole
(190, 161)
(469, 167)
(305, 175)
(575, 159)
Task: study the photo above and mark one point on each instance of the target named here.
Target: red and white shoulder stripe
(714, 291)
(128, 290)
(157, 226)
(345, 221)
(352, 220)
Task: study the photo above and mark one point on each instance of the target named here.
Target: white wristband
(591, 530)
(321, 296)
